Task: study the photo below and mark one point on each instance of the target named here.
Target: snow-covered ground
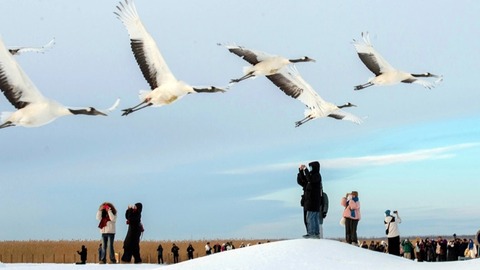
(288, 254)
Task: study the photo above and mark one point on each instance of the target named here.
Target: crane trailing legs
(147, 100)
(136, 108)
(334, 115)
(365, 85)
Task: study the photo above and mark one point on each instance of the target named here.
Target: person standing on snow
(174, 251)
(131, 244)
(190, 251)
(407, 249)
(323, 211)
(107, 215)
(160, 254)
(208, 249)
(392, 231)
(352, 216)
(311, 182)
(83, 255)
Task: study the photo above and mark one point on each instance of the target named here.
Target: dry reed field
(66, 251)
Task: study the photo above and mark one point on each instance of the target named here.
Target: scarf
(352, 212)
(104, 220)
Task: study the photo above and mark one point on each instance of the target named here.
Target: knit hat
(387, 213)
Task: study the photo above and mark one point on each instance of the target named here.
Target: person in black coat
(83, 255)
(131, 244)
(160, 254)
(190, 251)
(175, 250)
(311, 182)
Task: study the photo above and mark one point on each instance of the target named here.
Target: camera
(395, 211)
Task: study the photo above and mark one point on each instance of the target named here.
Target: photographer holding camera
(352, 215)
(83, 255)
(107, 214)
(131, 244)
(392, 232)
(312, 199)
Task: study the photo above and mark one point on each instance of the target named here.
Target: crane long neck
(422, 75)
(345, 106)
(79, 111)
(297, 60)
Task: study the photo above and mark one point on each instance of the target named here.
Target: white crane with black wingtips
(165, 88)
(261, 63)
(385, 74)
(33, 109)
(288, 79)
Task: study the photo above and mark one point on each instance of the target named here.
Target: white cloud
(289, 196)
(374, 160)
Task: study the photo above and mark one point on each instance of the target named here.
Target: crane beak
(99, 113)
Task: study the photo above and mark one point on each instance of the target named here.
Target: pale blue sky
(224, 165)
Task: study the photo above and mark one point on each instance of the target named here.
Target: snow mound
(311, 254)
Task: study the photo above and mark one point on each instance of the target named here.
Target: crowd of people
(314, 202)
(430, 250)
(175, 250)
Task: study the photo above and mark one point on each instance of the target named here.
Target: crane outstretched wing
(292, 84)
(289, 80)
(251, 56)
(148, 56)
(370, 57)
(14, 82)
(343, 115)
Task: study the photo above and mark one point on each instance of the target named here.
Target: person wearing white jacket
(107, 215)
(392, 231)
(471, 251)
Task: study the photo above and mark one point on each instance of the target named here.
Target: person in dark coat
(83, 255)
(175, 253)
(217, 248)
(160, 254)
(302, 181)
(131, 244)
(323, 211)
(311, 181)
(190, 251)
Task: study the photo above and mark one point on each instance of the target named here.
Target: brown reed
(65, 251)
